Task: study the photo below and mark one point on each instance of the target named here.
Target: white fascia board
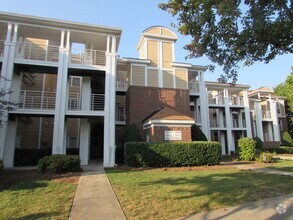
(133, 60)
(199, 67)
(169, 122)
(175, 64)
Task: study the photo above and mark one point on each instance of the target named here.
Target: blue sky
(134, 16)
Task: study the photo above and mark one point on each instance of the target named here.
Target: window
(278, 108)
(75, 81)
(72, 142)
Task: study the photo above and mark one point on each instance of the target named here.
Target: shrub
(246, 148)
(281, 150)
(287, 139)
(197, 134)
(132, 134)
(265, 157)
(1, 166)
(142, 154)
(59, 163)
(259, 143)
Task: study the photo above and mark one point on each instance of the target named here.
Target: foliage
(287, 139)
(132, 134)
(265, 157)
(59, 163)
(286, 89)
(30, 157)
(1, 166)
(259, 143)
(172, 154)
(247, 149)
(231, 32)
(281, 150)
(197, 134)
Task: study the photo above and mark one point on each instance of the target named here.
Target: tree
(286, 89)
(197, 134)
(231, 32)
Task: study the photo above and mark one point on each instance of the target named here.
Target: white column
(247, 114)
(84, 141)
(110, 100)
(274, 115)
(223, 142)
(204, 108)
(10, 144)
(231, 145)
(61, 93)
(5, 81)
(86, 93)
(258, 119)
(270, 131)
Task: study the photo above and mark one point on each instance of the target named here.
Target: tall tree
(234, 32)
(286, 89)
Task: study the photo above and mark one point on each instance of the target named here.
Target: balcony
(120, 115)
(37, 52)
(238, 123)
(218, 100)
(236, 100)
(87, 57)
(266, 115)
(193, 88)
(1, 48)
(121, 85)
(216, 123)
(196, 116)
(44, 100)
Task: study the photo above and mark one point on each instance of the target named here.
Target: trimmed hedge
(59, 163)
(247, 149)
(143, 154)
(281, 150)
(259, 143)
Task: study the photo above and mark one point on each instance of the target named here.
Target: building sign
(173, 136)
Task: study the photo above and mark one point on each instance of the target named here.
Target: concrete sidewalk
(95, 198)
(280, 208)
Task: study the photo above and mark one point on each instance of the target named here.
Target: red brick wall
(157, 134)
(142, 101)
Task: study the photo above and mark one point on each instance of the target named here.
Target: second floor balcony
(44, 100)
(266, 115)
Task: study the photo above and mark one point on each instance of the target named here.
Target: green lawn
(283, 165)
(40, 197)
(174, 193)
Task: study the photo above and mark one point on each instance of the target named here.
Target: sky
(133, 17)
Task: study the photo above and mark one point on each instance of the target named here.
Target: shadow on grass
(221, 189)
(42, 215)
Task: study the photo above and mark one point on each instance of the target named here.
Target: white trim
(169, 122)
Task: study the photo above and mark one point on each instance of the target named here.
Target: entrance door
(97, 141)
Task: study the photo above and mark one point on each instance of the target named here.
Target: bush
(132, 134)
(59, 163)
(30, 157)
(259, 143)
(142, 154)
(197, 134)
(281, 150)
(246, 148)
(1, 166)
(265, 157)
(287, 139)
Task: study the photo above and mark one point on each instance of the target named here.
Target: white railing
(196, 116)
(36, 99)
(120, 85)
(87, 57)
(219, 100)
(86, 102)
(236, 100)
(266, 115)
(193, 87)
(40, 52)
(120, 114)
(1, 48)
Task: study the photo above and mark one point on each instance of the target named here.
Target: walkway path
(95, 198)
(280, 208)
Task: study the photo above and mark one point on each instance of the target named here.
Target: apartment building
(74, 94)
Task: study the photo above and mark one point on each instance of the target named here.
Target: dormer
(157, 45)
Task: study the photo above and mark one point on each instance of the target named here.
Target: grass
(282, 165)
(174, 193)
(39, 196)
